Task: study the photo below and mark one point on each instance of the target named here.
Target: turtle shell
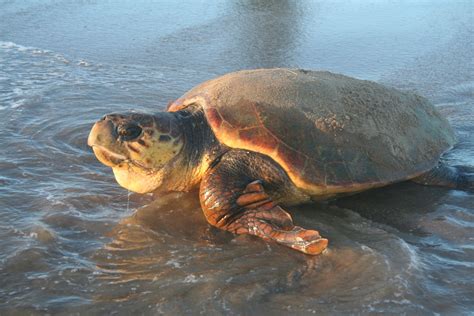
(329, 132)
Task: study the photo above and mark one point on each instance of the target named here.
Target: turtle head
(137, 147)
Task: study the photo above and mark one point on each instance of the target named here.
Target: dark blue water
(73, 241)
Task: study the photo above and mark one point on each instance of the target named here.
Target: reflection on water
(72, 241)
(195, 267)
(269, 32)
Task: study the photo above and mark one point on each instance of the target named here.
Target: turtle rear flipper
(446, 176)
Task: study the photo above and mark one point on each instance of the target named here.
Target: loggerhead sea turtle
(256, 140)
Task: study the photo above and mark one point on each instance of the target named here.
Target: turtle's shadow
(401, 206)
(177, 214)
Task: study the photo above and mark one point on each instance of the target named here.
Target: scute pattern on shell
(329, 132)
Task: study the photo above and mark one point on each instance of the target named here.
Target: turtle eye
(128, 131)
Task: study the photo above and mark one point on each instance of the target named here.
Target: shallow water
(72, 240)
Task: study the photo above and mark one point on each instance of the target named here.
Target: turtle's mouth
(112, 159)
(107, 157)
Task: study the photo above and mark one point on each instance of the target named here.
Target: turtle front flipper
(232, 200)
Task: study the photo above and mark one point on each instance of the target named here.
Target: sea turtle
(256, 140)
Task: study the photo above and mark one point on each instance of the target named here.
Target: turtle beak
(102, 133)
(103, 139)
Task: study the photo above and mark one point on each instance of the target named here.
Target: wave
(13, 46)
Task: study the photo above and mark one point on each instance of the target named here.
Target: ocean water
(73, 242)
